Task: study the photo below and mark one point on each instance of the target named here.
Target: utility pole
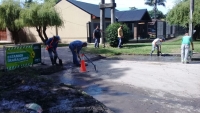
(191, 13)
(112, 12)
(155, 11)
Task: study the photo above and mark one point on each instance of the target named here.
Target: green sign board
(22, 56)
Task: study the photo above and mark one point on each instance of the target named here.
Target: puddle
(94, 90)
(78, 80)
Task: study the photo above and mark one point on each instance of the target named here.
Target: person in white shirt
(156, 44)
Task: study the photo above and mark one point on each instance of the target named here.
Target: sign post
(22, 56)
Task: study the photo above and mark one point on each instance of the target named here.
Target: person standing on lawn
(185, 47)
(52, 44)
(156, 44)
(97, 36)
(120, 35)
(75, 48)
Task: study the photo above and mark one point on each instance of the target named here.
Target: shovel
(91, 62)
(60, 61)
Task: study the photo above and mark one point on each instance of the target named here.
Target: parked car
(151, 32)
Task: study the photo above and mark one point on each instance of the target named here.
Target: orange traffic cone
(83, 67)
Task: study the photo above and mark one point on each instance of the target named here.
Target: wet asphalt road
(125, 91)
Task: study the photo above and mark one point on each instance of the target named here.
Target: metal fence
(166, 30)
(161, 29)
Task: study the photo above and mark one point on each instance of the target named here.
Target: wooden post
(136, 31)
(102, 23)
(112, 12)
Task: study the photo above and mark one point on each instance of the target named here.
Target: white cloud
(125, 4)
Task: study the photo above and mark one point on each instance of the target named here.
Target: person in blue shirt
(75, 48)
(185, 47)
(52, 44)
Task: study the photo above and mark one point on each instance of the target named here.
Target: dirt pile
(34, 85)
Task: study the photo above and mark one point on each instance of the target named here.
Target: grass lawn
(170, 46)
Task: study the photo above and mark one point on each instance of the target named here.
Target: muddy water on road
(72, 76)
(124, 98)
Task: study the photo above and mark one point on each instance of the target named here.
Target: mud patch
(28, 85)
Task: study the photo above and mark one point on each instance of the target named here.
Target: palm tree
(154, 3)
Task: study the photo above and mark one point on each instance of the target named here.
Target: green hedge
(111, 34)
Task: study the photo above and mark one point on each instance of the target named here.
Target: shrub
(111, 34)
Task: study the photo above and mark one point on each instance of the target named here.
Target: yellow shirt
(120, 32)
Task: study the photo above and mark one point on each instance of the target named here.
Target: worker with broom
(75, 48)
(52, 44)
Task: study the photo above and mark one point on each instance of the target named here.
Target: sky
(139, 4)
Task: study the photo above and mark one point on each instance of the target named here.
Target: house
(137, 21)
(80, 19)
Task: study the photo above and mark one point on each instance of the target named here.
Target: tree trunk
(38, 29)
(44, 32)
(15, 37)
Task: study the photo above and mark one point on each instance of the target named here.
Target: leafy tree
(111, 34)
(179, 15)
(27, 3)
(42, 16)
(159, 14)
(154, 3)
(10, 18)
